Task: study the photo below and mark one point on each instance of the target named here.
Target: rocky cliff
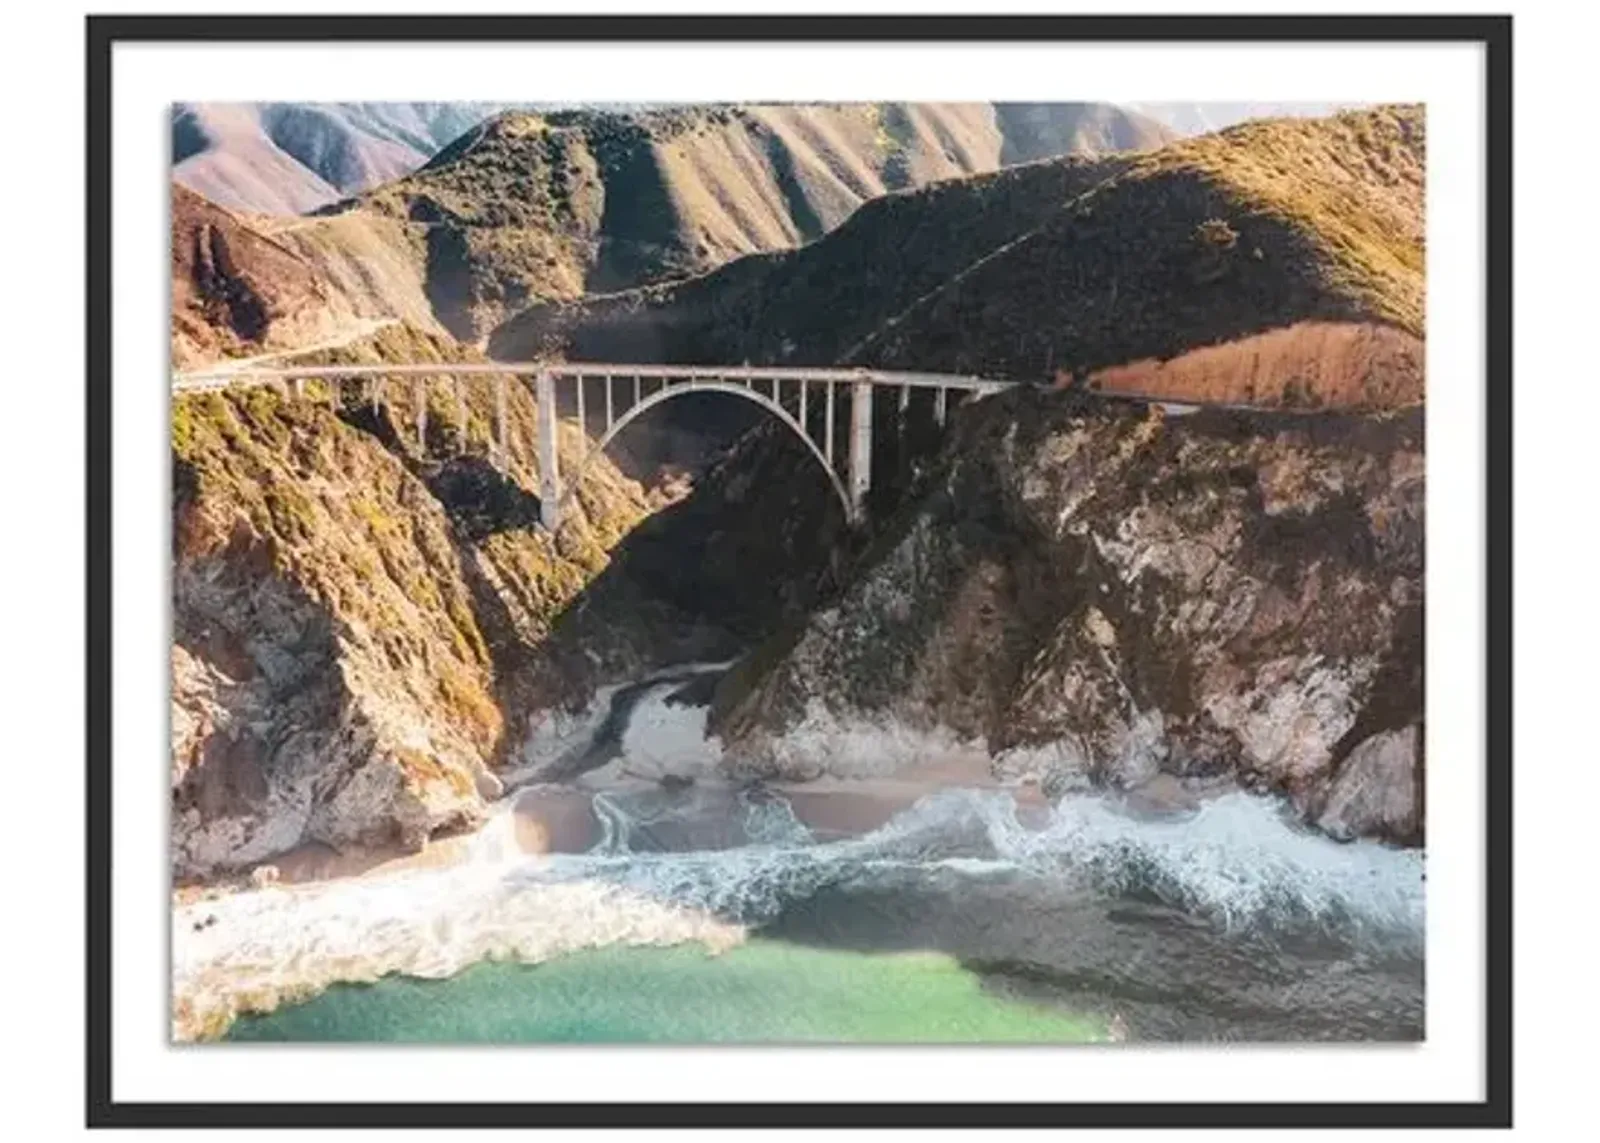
(355, 610)
(1103, 594)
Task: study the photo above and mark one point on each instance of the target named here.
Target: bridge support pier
(549, 465)
(502, 427)
(860, 448)
(827, 422)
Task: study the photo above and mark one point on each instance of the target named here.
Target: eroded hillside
(249, 285)
(234, 290)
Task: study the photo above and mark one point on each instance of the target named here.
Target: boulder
(1375, 792)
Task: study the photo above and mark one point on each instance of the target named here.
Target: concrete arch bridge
(817, 405)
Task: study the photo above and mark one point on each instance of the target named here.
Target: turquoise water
(761, 991)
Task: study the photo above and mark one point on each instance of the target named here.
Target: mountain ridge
(288, 158)
(1082, 270)
(533, 206)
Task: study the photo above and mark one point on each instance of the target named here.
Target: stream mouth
(1218, 919)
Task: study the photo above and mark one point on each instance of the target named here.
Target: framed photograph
(799, 571)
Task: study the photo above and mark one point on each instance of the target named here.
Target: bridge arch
(667, 393)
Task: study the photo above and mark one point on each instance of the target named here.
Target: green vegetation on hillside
(1354, 183)
(813, 304)
(538, 207)
(321, 548)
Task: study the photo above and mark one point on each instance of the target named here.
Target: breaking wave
(1238, 861)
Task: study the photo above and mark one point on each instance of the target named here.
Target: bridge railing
(226, 377)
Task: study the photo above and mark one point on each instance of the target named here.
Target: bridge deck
(227, 377)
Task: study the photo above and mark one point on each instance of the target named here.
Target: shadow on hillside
(739, 564)
(706, 578)
(448, 279)
(480, 500)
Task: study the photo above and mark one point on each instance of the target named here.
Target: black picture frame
(1493, 32)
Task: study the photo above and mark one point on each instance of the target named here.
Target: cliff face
(1105, 594)
(355, 611)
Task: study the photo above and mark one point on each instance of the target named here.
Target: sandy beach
(701, 812)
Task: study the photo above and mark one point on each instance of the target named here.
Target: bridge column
(502, 426)
(860, 447)
(827, 423)
(549, 465)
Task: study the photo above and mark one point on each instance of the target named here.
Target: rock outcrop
(1103, 593)
(355, 610)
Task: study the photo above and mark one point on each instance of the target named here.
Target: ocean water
(713, 913)
(763, 991)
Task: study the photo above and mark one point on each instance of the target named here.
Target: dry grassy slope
(237, 291)
(379, 263)
(1075, 266)
(354, 610)
(814, 304)
(221, 151)
(531, 207)
(1207, 241)
(250, 284)
(287, 158)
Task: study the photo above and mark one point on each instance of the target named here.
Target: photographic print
(834, 546)
(797, 572)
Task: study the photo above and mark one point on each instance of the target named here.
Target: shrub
(1216, 234)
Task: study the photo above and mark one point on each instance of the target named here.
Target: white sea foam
(254, 950)
(1238, 860)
